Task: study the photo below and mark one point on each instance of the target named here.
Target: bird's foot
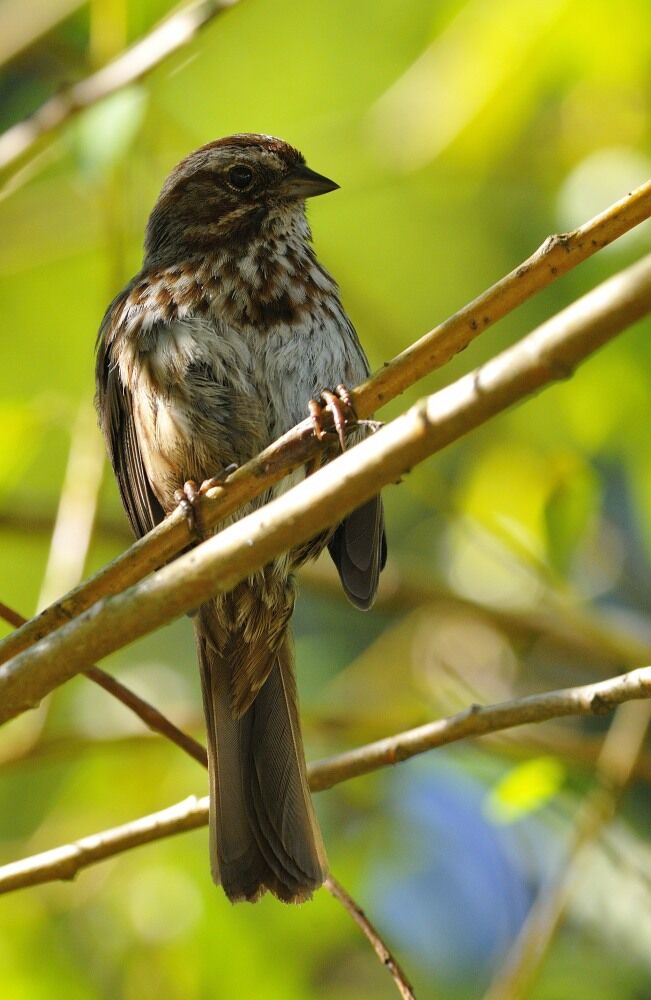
(340, 406)
(189, 499)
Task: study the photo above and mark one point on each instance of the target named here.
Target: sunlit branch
(146, 712)
(64, 862)
(556, 256)
(166, 38)
(549, 353)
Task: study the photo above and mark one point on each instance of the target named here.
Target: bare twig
(150, 715)
(615, 768)
(65, 862)
(555, 256)
(21, 25)
(166, 38)
(477, 721)
(386, 958)
(549, 353)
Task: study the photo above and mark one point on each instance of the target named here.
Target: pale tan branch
(477, 721)
(73, 526)
(63, 863)
(556, 256)
(371, 934)
(166, 38)
(146, 712)
(66, 861)
(568, 624)
(549, 353)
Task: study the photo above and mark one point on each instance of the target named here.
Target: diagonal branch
(556, 256)
(66, 861)
(145, 711)
(368, 930)
(166, 38)
(549, 353)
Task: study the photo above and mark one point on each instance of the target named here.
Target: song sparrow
(212, 351)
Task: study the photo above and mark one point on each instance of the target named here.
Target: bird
(231, 331)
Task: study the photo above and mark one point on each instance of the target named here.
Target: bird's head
(228, 193)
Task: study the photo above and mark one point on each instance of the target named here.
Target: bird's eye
(240, 177)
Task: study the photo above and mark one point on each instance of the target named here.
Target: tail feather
(263, 831)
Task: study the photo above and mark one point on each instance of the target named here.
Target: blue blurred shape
(453, 893)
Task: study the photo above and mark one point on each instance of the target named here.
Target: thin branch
(555, 256)
(615, 769)
(549, 353)
(386, 958)
(150, 715)
(65, 862)
(588, 699)
(166, 38)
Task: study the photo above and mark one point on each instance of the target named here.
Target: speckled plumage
(211, 352)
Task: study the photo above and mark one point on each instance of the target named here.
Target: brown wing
(114, 406)
(359, 546)
(359, 551)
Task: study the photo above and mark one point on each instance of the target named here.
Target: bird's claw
(188, 499)
(340, 405)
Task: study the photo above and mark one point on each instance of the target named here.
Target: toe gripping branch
(188, 498)
(339, 405)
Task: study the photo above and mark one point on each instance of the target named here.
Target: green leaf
(525, 788)
(102, 136)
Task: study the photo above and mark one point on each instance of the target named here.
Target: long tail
(263, 831)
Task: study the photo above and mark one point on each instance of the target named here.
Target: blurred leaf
(569, 509)
(525, 788)
(20, 433)
(103, 134)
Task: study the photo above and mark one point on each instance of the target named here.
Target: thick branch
(168, 36)
(218, 564)
(64, 862)
(556, 255)
(145, 711)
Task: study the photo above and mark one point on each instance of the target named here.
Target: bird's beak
(301, 182)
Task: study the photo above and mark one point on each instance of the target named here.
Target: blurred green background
(461, 134)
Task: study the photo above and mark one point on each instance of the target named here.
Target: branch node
(599, 705)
